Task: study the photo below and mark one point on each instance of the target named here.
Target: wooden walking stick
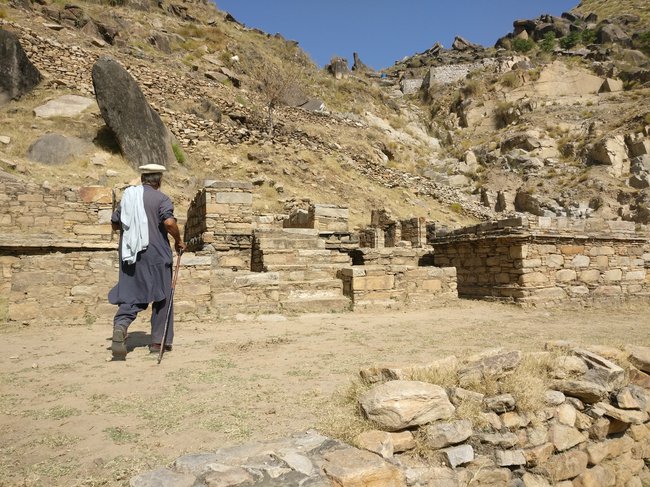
(169, 307)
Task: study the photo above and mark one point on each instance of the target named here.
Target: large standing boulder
(141, 134)
(17, 74)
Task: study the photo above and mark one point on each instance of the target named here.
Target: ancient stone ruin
(59, 253)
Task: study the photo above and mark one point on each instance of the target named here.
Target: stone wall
(396, 286)
(220, 219)
(545, 260)
(386, 231)
(414, 231)
(209, 290)
(32, 215)
(60, 287)
(327, 219)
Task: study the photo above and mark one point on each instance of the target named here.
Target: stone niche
(386, 231)
(542, 260)
(327, 219)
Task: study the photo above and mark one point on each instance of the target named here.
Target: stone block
(565, 437)
(510, 458)
(96, 194)
(565, 275)
(612, 275)
(379, 442)
(356, 467)
(538, 455)
(608, 291)
(531, 263)
(100, 230)
(571, 250)
(373, 283)
(567, 465)
(580, 261)
(234, 198)
(533, 278)
(442, 434)
(597, 476)
(190, 259)
(458, 455)
(639, 275)
(554, 260)
(432, 285)
(589, 276)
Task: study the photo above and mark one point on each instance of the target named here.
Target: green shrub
(523, 45)
(642, 42)
(178, 153)
(456, 208)
(548, 43)
(570, 41)
(588, 36)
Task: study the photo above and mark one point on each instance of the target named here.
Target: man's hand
(172, 228)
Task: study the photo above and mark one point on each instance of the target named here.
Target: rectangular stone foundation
(549, 260)
(397, 286)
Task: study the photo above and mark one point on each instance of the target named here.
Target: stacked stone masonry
(545, 260)
(241, 263)
(34, 216)
(220, 219)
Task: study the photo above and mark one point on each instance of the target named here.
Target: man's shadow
(136, 339)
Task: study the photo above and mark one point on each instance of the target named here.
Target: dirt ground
(69, 416)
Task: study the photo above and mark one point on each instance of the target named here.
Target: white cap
(151, 168)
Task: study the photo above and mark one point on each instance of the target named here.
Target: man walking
(145, 218)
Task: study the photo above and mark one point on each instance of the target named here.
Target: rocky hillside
(553, 120)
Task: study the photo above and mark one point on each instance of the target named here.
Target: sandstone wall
(31, 215)
(545, 260)
(396, 286)
(220, 219)
(59, 287)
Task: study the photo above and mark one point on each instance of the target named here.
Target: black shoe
(155, 348)
(118, 345)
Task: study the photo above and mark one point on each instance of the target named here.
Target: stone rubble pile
(591, 427)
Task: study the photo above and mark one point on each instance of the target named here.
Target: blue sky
(384, 31)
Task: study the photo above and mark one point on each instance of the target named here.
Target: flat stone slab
(64, 106)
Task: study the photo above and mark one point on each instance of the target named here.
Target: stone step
(304, 273)
(306, 259)
(320, 287)
(325, 305)
(287, 233)
(290, 243)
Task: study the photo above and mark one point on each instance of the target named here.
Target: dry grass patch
(342, 417)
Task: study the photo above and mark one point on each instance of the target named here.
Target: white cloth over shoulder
(135, 229)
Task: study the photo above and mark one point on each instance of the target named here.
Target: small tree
(278, 86)
(548, 43)
(523, 45)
